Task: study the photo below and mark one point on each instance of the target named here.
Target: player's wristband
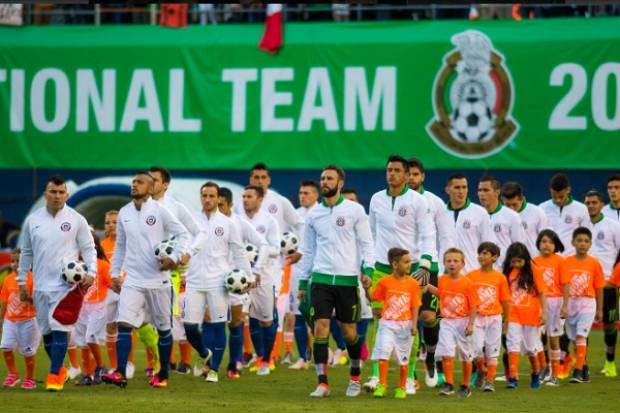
(368, 271)
(426, 261)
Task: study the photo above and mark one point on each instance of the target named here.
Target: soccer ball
(472, 121)
(289, 243)
(252, 253)
(165, 248)
(236, 281)
(73, 272)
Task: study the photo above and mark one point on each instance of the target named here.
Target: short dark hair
(416, 163)
(595, 193)
(313, 184)
(582, 231)
(489, 178)
(511, 190)
(456, 175)
(490, 247)
(165, 174)
(553, 236)
(559, 182)
(613, 178)
(144, 172)
(210, 184)
(349, 191)
(259, 167)
(398, 159)
(395, 254)
(258, 189)
(225, 193)
(336, 168)
(56, 180)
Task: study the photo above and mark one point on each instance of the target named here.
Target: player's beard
(329, 192)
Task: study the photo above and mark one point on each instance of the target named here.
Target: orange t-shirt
(551, 268)
(615, 276)
(99, 290)
(525, 306)
(584, 276)
(400, 297)
(108, 245)
(456, 297)
(492, 289)
(16, 309)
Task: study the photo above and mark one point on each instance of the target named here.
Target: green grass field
(287, 391)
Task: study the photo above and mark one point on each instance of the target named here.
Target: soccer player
(337, 230)
(262, 298)
(146, 290)
(205, 281)
(239, 303)
(19, 327)
(471, 221)
(605, 247)
(399, 319)
(457, 302)
(493, 295)
(528, 310)
(51, 236)
(564, 214)
(612, 210)
(550, 263)
(400, 217)
(533, 218)
(446, 236)
(584, 275)
(505, 222)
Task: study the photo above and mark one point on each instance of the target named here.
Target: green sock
(414, 356)
(375, 368)
(148, 335)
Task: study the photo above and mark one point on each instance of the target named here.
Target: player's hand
(184, 260)
(116, 285)
(301, 295)
(87, 281)
(564, 312)
(257, 280)
(543, 319)
(599, 315)
(414, 331)
(366, 281)
(166, 264)
(469, 329)
(422, 276)
(293, 258)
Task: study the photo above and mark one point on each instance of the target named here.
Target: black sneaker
(447, 390)
(464, 392)
(84, 381)
(577, 376)
(585, 374)
(99, 371)
(184, 369)
(480, 379)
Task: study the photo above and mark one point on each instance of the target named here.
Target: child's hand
(469, 329)
(505, 327)
(564, 312)
(543, 319)
(599, 315)
(414, 331)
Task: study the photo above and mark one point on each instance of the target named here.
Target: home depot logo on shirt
(487, 296)
(454, 305)
(579, 283)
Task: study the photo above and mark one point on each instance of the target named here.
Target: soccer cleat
(115, 378)
(488, 386)
(233, 374)
(74, 372)
(585, 374)
(55, 382)
(512, 383)
(464, 392)
(379, 391)
(430, 379)
(158, 382)
(288, 358)
(410, 387)
(501, 377)
(371, 384)
(11, 380)
(322, 390)
(400, 393)
(85, 380)
(184, 369)
(272, 365)
(97, 376)
(29, 384)
(447, 390)
(248, 360)
(201, 367)
(535, 381)
(480, 380)
(577, 376)
(130, 370)
(545, 374)
(263, 370)
(354, 388)
(299, 365)
(610, 369)
(553, 382)
(212, 377)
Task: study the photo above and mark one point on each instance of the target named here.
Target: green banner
(533, 94)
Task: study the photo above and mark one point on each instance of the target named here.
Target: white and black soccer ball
(165, 248)
(252, 253)
(236, 281)
(289, 243)
(472, 121)
(73, 272)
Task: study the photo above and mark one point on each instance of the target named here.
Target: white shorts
(393, 336)
(523, 339)
(554, 327)
(111, 310)
(139, 305)
(90, 327)
(581, 314)
(487, 336)
(240, 299)
(281, 307)
(44, 303)
(197, 301)
(262, 302)
(22, 335)
(452, 339)
(178, 331)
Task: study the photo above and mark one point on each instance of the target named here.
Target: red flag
(272, 36)
(67, 310)
(173, 15)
